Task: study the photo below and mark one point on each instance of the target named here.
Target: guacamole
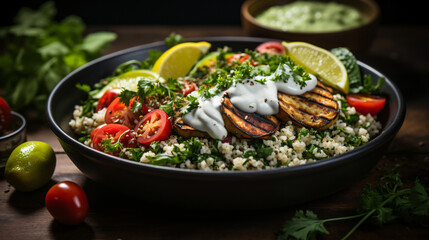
(308, 16)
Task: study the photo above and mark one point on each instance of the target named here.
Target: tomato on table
(155, 126)
(271, 48)
(114, 133)
(107, 98)
(366, 103)
(188, 87)
(67, 203)
(5, 115)
(118, 112)
(240, 57)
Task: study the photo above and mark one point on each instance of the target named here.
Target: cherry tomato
(118, 112)
(95, 131)
(240, 57)
(271, 48)
(5, 115)
(67, 203)
(114, 133)
(366, 103)
(107, 98)
(188, 87)
(155, 126)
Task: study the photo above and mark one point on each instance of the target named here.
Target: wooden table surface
(399, 52)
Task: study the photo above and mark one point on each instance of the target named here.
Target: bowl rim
(250, 18)
(386, 134)
(17, 131)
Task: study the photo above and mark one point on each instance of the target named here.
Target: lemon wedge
(129, 81)
(320, 62)
(178, 60)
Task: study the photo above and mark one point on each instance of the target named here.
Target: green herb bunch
(39, 51)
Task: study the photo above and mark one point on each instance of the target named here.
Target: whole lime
(30, 166)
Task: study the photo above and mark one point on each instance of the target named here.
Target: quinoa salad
(204, 120)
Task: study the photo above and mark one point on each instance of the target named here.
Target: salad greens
(357, 83)
(385, 202)
(40, 51)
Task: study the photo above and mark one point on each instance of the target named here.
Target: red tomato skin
(240, 57)
(365, 103)
(67, 203)
(162, 133)
(5, 115)
(107, 98)
(117, 112)
(114, 131)
(96, 130)
(271, 48)
(188, 87)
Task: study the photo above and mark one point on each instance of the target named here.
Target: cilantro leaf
(370, 88)
(173, 39)
(303, 226)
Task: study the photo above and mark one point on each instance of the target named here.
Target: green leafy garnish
(387, 201)
(356, 83)
(304, 225)
(173, 39)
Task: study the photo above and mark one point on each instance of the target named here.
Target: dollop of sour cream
(257, 95)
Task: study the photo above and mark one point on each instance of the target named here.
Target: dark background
(189, 12)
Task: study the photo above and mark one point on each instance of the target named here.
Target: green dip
(307, 16)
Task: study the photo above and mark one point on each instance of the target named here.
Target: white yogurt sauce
(249, 96)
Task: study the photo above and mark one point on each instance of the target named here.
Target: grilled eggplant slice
(315, 109)
(187, 131)
(247, 125)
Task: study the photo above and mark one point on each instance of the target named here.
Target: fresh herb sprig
(387, 201)
(133, 154)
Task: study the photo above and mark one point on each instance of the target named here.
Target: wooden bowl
(357, 39)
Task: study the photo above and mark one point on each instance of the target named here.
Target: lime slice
(208, 60)
(178, 60)
(320, 62)
(129, 81)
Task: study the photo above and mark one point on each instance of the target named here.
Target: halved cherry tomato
(155, 126)
(114, 133)
(107, 98)
(67, 203)
(366, 103)
(271, 48)
(118, 112)
(96, 130)
(5, 115)
(188, 87)
(240, 57)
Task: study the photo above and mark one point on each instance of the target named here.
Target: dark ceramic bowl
(357, 39)
(13, 138)
(195, 188)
